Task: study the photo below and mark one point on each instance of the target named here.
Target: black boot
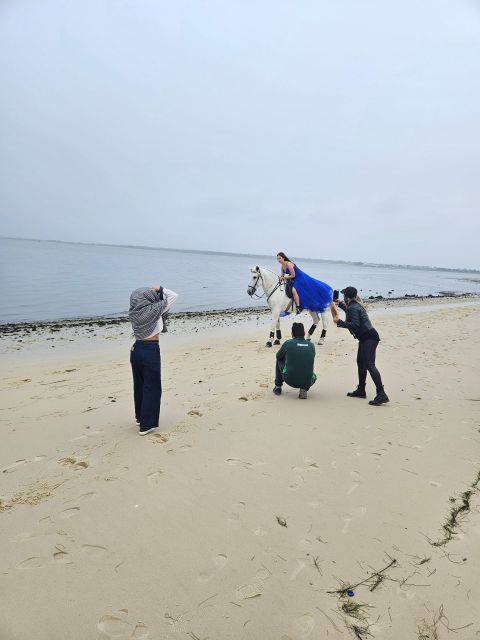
(380, 398)
(358, 393)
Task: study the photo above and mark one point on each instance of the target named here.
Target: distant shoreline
(28, 327)
(356, 263)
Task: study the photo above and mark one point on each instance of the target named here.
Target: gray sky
(345, 129)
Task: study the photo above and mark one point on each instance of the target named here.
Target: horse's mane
(269, 271)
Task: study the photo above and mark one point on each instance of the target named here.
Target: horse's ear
(257, 268)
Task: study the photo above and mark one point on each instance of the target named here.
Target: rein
(277, 286)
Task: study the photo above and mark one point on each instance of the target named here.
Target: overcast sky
(344, 129)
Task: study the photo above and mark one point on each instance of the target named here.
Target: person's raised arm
(170, 297)
(352, 320)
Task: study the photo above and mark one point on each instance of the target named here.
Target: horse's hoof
(268, 344)
(308, 338)
(321, 341)
(277, 342)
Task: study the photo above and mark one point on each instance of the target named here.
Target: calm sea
(42, 280)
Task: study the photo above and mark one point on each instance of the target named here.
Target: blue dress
(314, 295)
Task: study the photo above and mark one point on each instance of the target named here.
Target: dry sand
(246, 514)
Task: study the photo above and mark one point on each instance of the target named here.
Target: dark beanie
(350, 292)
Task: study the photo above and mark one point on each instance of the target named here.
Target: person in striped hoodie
(147, 306)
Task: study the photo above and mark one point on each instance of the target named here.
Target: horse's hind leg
(321, 340)
(314, 325)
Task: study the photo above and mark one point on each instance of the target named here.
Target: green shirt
(299, 356)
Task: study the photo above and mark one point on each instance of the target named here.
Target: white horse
(278, 301)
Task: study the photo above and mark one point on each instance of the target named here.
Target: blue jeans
(147, 382)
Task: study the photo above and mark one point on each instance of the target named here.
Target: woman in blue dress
(308, 293)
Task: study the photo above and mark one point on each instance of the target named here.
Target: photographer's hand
(159, 289)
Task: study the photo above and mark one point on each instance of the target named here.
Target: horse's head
(255, 278)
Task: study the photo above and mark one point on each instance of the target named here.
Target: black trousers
(366, 363)
(278, 372)
(147, 382)
(279, 379)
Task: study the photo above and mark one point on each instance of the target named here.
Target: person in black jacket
(359, 325)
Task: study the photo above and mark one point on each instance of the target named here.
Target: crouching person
(295, 360)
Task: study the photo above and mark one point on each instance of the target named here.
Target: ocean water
(42, 280)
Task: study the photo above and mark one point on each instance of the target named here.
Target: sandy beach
(245, 516)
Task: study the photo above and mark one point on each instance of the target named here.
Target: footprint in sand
(89, 434)
(73, 463)
(14, 466)
(159, 438)
(24, 537)
(114, 626)
(236, 510)
(248, 591)
(94, 550)
(61, 556)
(263, 574)
(154, 477)
(140, 632)
(87, 496)
(255, 588)
(69, 513)
(346, 524)
(243, 463)
(298, 569)
(304, 624)
(219, 561)
(298, 481)
(359, 511)
(354, 486)
(305, 543)
(31, 563)
(118, 626)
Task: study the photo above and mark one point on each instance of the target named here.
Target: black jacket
(356, 319)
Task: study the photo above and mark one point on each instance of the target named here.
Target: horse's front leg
(321, 340)
(275, 326)
(315, 320)
(278, 333)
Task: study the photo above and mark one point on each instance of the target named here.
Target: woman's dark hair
(298, 330)
(282, 255)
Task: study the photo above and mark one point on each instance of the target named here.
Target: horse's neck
(269, 280)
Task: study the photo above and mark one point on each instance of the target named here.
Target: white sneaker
(144, 432)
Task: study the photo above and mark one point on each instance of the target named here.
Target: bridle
(252, 288)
